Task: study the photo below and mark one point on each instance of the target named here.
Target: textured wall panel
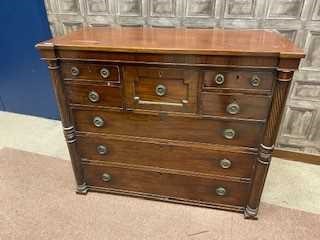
(298, 20)
(98, 7)
(285, 9)
(239, 9)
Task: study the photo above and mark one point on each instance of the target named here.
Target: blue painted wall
(25, 85)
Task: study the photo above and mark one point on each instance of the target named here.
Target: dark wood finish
(68, 125)
(178, 40)
(90, 72)
(108, 96)
(165, 126)
(185, 157)
(267, 145)
(169, 144)
(166, 184)
(180, 88)
(238, 80)
(174, 60)
(296, 156)
(251, 106)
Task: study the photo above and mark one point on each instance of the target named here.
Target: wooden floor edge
(297, 156)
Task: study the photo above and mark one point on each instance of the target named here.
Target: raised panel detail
(239, 8)
(130, 7)
(306, 90)
(200, 8)
(298, 122)
(162, 8)
(164, 89)
(69, 6)
(285, 8)
(98, 7)
(316, 11)
(313, 50)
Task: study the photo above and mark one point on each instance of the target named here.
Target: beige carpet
(37, 201)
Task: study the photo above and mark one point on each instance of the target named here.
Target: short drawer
(90, 71)
(95, 95)
(160, 88)
(231, 79)
(167, 184)
(168, 156)
(174, 127)
(235, 105)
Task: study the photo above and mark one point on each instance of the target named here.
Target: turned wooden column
(68, 124)
(266, 147)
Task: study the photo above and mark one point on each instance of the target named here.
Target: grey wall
(299, 20)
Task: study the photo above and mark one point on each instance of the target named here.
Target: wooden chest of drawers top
(181, 115)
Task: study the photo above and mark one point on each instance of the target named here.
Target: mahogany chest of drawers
(180, 115)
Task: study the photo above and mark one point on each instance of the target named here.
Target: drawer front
(251, 80)
(235, 105)
(89, 71)
(95, 95)
(164, 89)
(168, 156)
(192, 129)
(167, 184)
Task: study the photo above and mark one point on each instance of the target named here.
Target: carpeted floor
(38, 202)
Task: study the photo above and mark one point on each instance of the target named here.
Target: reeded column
(68, 126)
(266, 147)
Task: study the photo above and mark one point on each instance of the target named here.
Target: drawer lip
(214, 147)
(155, 197)
(166, 113)
(236, 90)
(185, 183)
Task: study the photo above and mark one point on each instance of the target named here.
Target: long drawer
(174, 127)
(188, 157)
(167, 184)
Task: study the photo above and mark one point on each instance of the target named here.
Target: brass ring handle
(225, 163)
(161, 90)
(102, 149)
(106, 177)
(221, 191)
(98, 121)
(233, 108)
(255, 81)
(75, 71)
(104, 72)
(229, 133)
(219, 79)
(93, 96)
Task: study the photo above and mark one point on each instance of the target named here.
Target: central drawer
(174, 127)
(161, 88)
(186, 157)
(165, 184)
